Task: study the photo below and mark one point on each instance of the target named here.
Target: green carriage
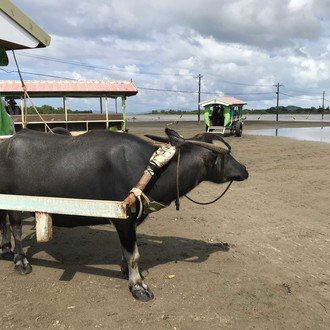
(224, 115)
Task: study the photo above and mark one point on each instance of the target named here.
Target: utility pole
(199, 97)
(278, 98)
(323, 105)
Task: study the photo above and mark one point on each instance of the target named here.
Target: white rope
(26, 94)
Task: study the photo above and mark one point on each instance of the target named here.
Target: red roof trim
(68, 86)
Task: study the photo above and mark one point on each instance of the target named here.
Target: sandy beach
(275, 274)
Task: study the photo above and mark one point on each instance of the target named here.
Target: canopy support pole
(123, 109)
(65, 111)
(107, 112)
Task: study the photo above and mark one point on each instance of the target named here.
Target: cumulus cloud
(241, 47)
(265, 23)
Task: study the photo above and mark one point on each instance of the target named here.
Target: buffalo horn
(209, 146)
(157, 138)
(206, 145)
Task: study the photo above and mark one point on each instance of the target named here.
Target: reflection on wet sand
(319, 134)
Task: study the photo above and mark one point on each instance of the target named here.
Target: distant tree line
(173, 112)
(282, 110)
(48, 109)
(288, 110)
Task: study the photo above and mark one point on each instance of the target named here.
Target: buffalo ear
(212, 138)
(172, 137)
(157, 138)
(175, 138)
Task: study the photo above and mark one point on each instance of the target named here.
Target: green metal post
(107, 112)
(123, 109)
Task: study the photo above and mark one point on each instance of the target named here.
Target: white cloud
(295, 5)
(241, 47)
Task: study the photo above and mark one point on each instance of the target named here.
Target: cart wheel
(238, 129)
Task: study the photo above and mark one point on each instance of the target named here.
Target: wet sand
(275, 274)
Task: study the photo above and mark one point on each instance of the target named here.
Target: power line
(141, 87)
(235, 93)
(175, 91)
(302, 97)
(196, 92)
(166, 90)
(238, 83)
(90, 66)
(37, 74)
(300, 91)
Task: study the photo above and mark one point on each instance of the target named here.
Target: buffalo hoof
(142, 292)
(8, 255)
(23, 270)
(22, 266)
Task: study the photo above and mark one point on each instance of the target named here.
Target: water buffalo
(106, 165)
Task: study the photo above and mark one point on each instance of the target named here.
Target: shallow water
(249, 117)
(293, 118)
(319, 134)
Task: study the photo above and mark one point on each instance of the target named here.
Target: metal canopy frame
(18, 31)
(75, 89)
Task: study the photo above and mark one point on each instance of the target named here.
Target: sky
(242, 48)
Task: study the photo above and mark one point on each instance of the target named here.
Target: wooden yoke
(158, 159)
(131, 198)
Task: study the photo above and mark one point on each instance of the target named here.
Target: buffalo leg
(124, 267)
(127, 235)
(7, 253)
(22, 266)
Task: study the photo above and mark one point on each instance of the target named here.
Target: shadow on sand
(89, 249)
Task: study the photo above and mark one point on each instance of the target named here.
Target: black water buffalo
(106, 165)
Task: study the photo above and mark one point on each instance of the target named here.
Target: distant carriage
(224, 115)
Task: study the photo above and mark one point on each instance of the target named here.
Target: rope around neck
(211, 202)
(177, 201)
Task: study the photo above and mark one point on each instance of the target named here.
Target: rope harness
(177, 200)
(146, 204)
(159, 158)
(26, 95)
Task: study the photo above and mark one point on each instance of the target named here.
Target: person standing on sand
(7, 126)
(12, 108)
